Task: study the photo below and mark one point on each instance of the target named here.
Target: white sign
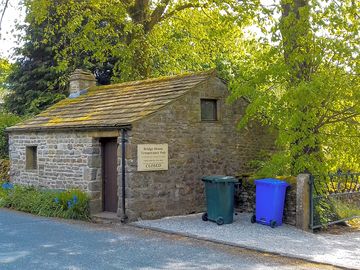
(152, 157)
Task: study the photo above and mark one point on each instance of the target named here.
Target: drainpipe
(123, 179)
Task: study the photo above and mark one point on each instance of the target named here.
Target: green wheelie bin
(219, 191)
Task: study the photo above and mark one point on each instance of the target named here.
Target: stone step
(105, 218)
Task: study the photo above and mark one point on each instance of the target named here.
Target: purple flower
(56, 200)
(69, 204)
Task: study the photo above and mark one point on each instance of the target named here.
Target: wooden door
(110, 187)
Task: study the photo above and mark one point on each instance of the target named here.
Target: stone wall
(352, 199)
(196, 149)
(65, 160)
(245, 197)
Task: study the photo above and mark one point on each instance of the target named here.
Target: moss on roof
(115, 105)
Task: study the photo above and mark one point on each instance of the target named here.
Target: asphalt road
(28, 242)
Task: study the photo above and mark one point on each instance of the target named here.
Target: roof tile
(115, 105)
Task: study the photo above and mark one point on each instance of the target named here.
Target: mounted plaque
(152, 157)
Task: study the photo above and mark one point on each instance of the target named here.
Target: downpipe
(124, 217)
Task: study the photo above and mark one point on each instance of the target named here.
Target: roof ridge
(210, 72)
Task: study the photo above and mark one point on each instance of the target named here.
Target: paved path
(28, 242)
(341, 250)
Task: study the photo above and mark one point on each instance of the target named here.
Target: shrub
(329, 209)
(73, 204)
(6, 120)
(4, 169)
(346, 210)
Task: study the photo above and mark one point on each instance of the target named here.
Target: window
(209, 110)
(31, 157)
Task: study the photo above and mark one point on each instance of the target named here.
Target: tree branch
(340, 119)
(180, 8)
(156, 15)
(337, 116)
(6, 3)
(126, 2)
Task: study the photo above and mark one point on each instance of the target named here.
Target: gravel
(340, 250)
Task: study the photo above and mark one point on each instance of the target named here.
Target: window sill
(209, 121)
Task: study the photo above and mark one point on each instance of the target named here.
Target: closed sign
(152, 157)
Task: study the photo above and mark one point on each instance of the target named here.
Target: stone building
(138, 148)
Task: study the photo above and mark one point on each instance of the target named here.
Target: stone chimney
(80, 81)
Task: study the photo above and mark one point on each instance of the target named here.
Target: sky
(8, 41)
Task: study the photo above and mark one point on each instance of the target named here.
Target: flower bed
(72, 204)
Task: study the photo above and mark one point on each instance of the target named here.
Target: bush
(6, 120)
(4, 169)
(73, 204)
(329, 209)
(345, 209)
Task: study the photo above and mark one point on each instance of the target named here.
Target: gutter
(66, 128)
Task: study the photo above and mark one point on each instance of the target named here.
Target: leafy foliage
(305, 84)
(6, 120)
(4, 169)
(73, 204)
(329, 209)
(145, 38)
(301, 75)
(120, 41)
(5, 68)
(36, 81)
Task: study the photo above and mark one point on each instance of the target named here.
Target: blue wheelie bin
(219, 191)
(270, 200)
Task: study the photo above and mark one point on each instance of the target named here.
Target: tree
(110, 39)
(102, 36)
(6, 120)
(127, 30)
(5, 68)
(36, 82)
(305, 84)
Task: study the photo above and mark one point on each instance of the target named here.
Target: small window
(209, 110)
(31, 157)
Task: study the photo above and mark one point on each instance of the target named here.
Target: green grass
(330, 209)
(345, 210)
(72, 204)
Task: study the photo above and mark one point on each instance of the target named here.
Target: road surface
(35, 243)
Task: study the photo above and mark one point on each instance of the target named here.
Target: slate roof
(114, 105)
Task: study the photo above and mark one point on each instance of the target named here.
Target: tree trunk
(296, 38)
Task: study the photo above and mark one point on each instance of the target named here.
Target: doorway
(109, 174)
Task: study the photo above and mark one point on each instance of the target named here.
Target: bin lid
(271, 181)
(219, 179)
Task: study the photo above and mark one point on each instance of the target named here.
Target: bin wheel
(272, 223)
(205, 217)
(220, 221)
(253, 219)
